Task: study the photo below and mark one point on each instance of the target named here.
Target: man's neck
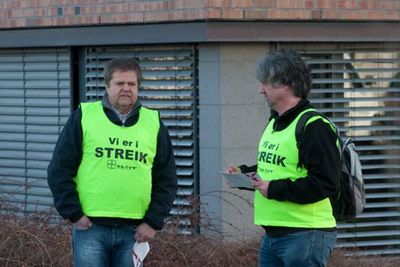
(287, 104)
(122, 111)
(121, 116)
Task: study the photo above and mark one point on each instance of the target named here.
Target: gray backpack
(350, 199)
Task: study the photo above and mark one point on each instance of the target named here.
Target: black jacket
(67, 158)
(320, 157)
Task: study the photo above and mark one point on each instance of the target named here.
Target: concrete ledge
(202, 32)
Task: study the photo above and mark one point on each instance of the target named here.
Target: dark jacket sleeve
(246, 169)
(164, 181)
(321, 158)
(63, 167)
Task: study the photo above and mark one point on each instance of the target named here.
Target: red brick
(332, 14)
(301, 4)
(156, 16)
(279, 14)
(136, 6)
(136, 17)
(13, 4)
(316, 14)
(85, 2)
(232, 14)
(374, 4)
(118, 8)
(16, 13)
(190, 14)
(69, 11)
(376, 14)
(184, 4)
(4, 24)
(52, 11)
(28, 12)
(40, 12)
(301, 14)
(354, 15)
(26, 3)
(363, 4)
(45, 21)
(175, 15)
(72, 21)
(352, 4)
(217, 3)
(213, 13)
(153, 6)
(187, 14)
(97, 9)
(342, 4)
(5, 14)
(392, 15)
(241, 3)
(195, 14)
(85, 10)
(146, 6)
(327, 4)
(133, 6)
(166, 5)
(309, 4)
(88, 20)
(107, 9)
(273, 14)
(20, 23)
(106, 19)
(286, 4)
(264, 3)
(255, 14)
(120, 18)
(391, 5)
(32, 12)
(60, 21)
(66, 2)
(44, 3)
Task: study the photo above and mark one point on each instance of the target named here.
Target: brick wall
(45, 13)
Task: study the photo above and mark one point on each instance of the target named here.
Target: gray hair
(285, 67)
(121, 64)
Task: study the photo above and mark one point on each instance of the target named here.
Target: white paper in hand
(139, 252)
(236, 180)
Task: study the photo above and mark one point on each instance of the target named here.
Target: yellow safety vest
(277, 159)
(114, 177)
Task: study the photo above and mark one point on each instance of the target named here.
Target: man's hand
(83, 223)
(144, 233)
(261, 185)
(233, 169)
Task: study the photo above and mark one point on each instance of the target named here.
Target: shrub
(35, 240)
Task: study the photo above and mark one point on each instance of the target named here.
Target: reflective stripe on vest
(277, 159)
(114, 177)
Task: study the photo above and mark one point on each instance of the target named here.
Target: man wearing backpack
(292, 200)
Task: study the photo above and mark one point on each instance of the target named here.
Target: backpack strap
(301, 123)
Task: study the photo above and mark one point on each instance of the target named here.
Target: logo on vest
(121, 151)
(111, 164)
(269, 156)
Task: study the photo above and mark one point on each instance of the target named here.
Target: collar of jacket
(281, 122)
(112, 115)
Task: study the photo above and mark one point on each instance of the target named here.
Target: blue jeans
(299, 249)
(103, 246)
